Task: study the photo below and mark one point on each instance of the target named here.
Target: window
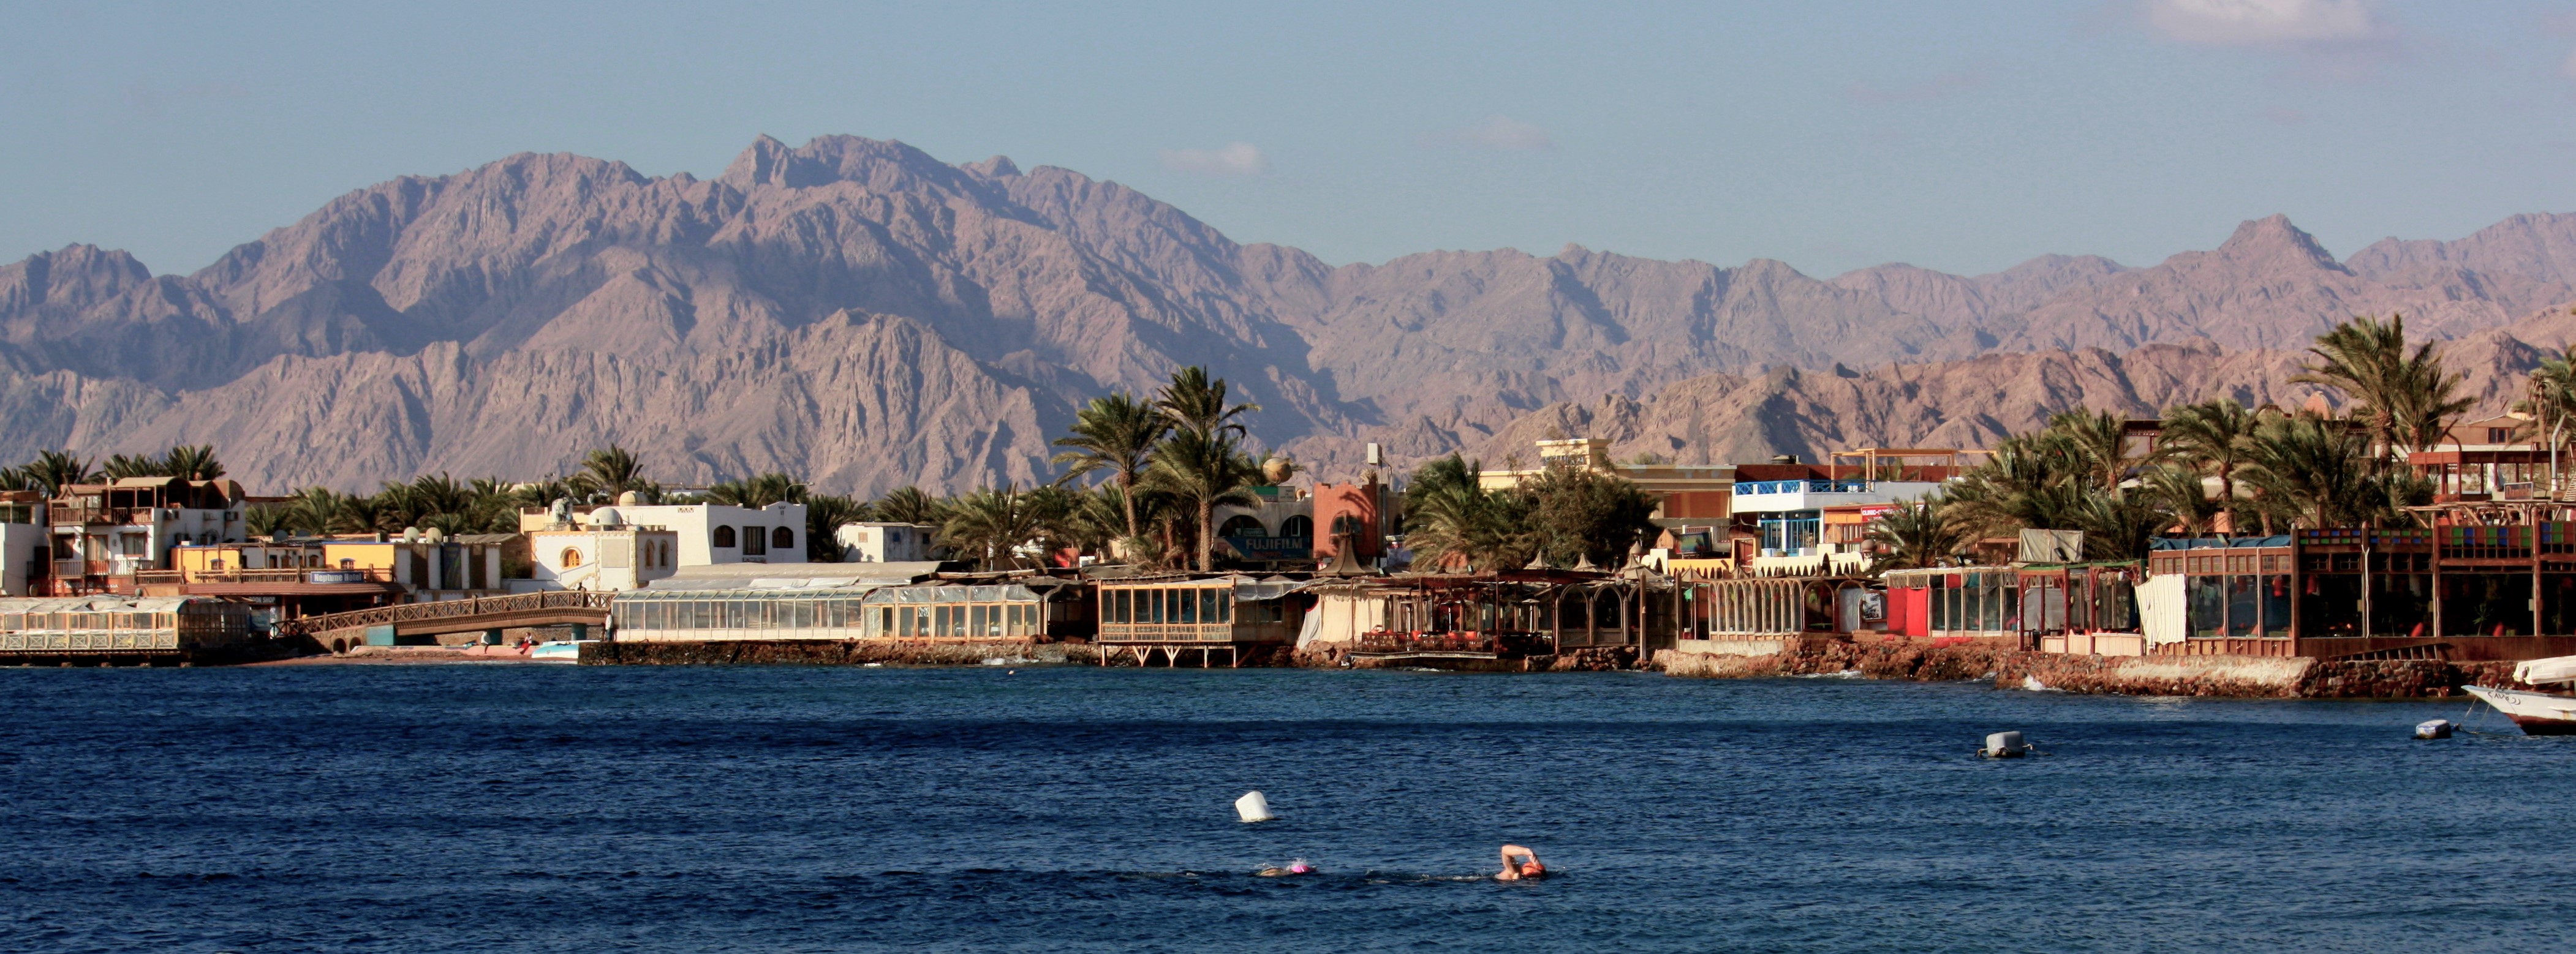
(783, 540)
(2499, 435)
(571, 558)
(1242, 525)
(1299, 525)
(754, 542)
(1212, 605)
(724, 537)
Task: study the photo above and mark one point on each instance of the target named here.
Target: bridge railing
(443, 610)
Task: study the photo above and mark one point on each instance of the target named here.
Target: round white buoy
(2433, 729)
(2004, 745)
(1253, 808)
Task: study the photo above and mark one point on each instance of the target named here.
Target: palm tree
(2100, 440)
(192, 462)
(120, 467)
(1917, 534)
(1207, 470)
(824, 516)
(1116, 434)
(612, 471)
(52, 471)
(1195, 403)
(2406, 399)
(992, 523)
(758, 492)
(2175, 489)
(2315, 472)
(910, 505)
(1450, 518)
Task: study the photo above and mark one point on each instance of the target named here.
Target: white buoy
(2433, 729)
(2004, 745)
(1253, 808)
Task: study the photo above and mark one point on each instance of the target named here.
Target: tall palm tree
(2406, 399)
(1207, 470)
(1114, 433)
(2174, 488)
(2100, 440)
(613, 470)
(52, 471)
(992, 523)
(121, 466)
(2315, 472)
(1195, 403)
(1450, 518)
(192, 462)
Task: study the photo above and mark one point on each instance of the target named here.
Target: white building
(875, 542)
(115, 529)
(709, 534)
(603, 551)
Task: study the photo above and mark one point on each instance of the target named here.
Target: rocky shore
(2229, 676)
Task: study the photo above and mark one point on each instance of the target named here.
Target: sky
(1959, 136)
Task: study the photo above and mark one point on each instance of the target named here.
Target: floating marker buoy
(2433, 729)
(2004, 745)
(1253, 808)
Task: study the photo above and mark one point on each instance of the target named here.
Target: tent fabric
(2161, 610)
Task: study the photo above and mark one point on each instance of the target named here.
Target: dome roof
(607, 517)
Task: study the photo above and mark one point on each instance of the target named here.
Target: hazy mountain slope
(856, 310)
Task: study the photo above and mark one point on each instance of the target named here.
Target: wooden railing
(443, 610)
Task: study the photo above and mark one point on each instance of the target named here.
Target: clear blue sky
(1964, 137)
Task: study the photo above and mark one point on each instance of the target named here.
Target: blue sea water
(526, 808)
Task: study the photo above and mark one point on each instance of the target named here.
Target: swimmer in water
(1294, 868)
(1516, 869)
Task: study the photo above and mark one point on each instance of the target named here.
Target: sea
(512, 807)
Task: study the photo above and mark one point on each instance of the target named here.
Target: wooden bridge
(476, 614)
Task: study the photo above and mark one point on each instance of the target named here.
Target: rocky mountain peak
(2274, 241)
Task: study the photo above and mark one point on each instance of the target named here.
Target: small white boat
(558, 651)
(2538, 713)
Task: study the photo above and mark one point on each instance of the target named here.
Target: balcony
(281, 575)
(1781, 496)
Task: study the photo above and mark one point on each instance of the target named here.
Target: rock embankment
(2228, 676)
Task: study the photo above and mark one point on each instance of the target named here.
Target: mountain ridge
(860, 311)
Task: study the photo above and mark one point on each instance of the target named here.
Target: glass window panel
(2241, 606)
(1188, 606)
(1153, 605)
(1208, 603)
(976, 618)
(2206, 599)
(2276, 605)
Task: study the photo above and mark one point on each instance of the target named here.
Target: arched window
(782, 539)
(1299, 525)
(1242, 525)
(571, 557)
(1346, 523)
(724, 536)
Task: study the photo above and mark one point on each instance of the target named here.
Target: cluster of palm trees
(1169, 461)
(50, 471)
(1564, 516)
(2265, 470)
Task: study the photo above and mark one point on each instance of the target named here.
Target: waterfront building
(100, 535)
(707, 533)
(1031, 608)
(603, 550)
(1683, 493)
(1232, 613)
(1278, 527)
(112, 627)
(1783, 503)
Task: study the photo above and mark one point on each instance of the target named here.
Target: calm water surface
(436, 808)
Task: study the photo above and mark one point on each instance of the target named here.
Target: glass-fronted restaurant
(1023, 610)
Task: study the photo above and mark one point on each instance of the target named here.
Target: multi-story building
(102, 534)
(707, 534)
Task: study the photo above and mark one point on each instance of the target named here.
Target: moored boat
(558, 651)
(2538, 713)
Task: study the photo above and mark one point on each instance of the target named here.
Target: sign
(337, 576)
(1273, 548)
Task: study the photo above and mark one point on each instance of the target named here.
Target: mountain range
(860, 313)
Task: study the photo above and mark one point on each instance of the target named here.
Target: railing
(1166, 632)
(278, 575)
(443, 609)
(1749, 487)
(1398, 641)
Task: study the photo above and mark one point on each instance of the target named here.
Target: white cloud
(1231, 159)
(2261, 22)
(1496, 132)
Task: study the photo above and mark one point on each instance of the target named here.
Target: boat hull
(2537, 713)
(564, 651)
